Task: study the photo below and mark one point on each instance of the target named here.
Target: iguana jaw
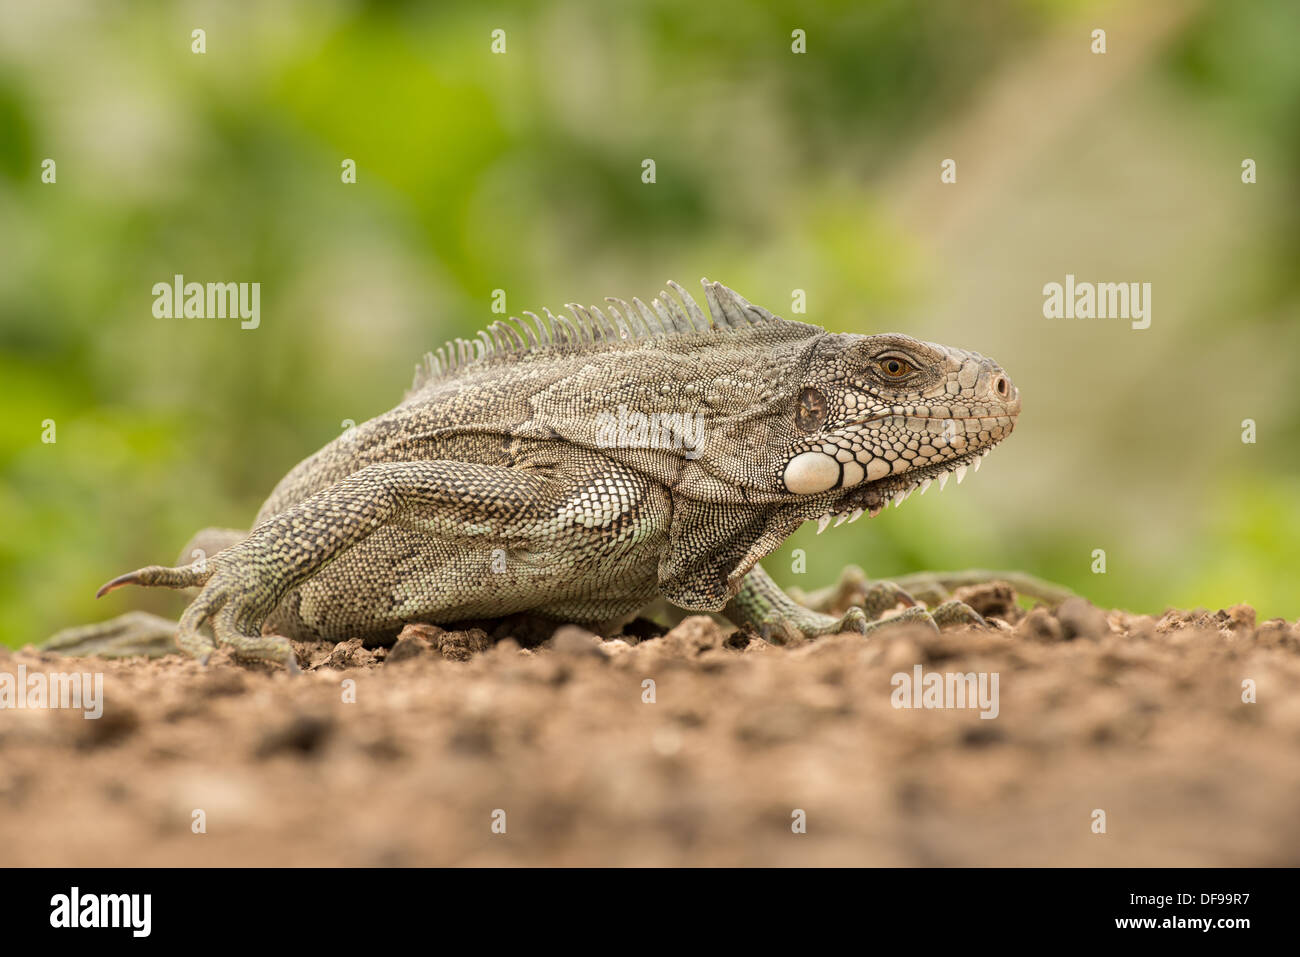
(871, 498)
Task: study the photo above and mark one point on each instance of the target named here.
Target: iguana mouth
(872, 497)
(882, 416)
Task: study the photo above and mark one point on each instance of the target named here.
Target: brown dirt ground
(1139, 717)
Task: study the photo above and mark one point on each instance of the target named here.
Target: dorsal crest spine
(666, 315)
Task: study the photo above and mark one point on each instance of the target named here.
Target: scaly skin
(497, 486)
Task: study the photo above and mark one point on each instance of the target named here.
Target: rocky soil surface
(522, 745)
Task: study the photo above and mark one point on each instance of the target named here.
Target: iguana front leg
(763, 606)
(242, 585)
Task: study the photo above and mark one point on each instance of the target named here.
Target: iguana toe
(916, 615)
(957, 614)
(855, 619)
(882, 596)
(184, 576)
(800, 624)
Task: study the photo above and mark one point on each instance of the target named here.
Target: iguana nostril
(1002, 386)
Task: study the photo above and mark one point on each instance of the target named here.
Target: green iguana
(582, 466)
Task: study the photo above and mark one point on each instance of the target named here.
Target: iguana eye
(892, 367)
(810, 410)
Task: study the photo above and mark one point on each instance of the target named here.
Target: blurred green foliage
(775, 171)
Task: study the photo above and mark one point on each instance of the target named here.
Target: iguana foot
(793, 628)
(761, 605)
(778, 618)
(950, 614)
(138, 633)
(933, 588)
(229, 605)
(936, 587)
(796, 628)
(233, 602)
(915, 616)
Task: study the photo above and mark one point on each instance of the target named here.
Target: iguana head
(876, 417)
